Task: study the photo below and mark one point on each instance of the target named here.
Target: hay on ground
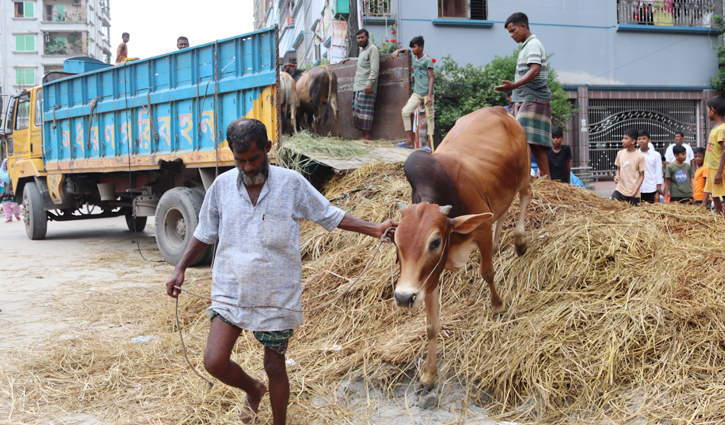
(616, 313)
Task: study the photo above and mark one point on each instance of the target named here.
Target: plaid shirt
(258, 254)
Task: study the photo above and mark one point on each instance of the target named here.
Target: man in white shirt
(653, 178)
(679, 140)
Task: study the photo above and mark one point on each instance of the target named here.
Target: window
(24, 9)
(39, 108)
(462, 9)
(25, 76)
(24, 43)
(22, 118)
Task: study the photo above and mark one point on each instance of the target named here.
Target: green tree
(718, 81)
(461, 90)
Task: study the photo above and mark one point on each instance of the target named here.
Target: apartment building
(36, 36)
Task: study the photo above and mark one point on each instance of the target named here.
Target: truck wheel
(208, 253)
(177, 216)
(139, 225)
(36, 221)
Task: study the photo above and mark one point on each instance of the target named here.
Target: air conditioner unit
(76, 2)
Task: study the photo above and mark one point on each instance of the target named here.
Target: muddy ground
(47, 285)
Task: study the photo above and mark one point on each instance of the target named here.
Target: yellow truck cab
(24, 136)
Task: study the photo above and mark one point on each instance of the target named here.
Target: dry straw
(616, 314)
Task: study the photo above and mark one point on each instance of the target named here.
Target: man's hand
(177, 279)
(506, 86)
(718, 178)
(344, 60)
(368, 90)
(429, 102)
(616, 178)
(657, 197)
(385, 226)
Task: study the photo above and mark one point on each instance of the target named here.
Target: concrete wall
(583, 36)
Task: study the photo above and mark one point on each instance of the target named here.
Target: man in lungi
(253, 213)
(531, 94)
(365, 86)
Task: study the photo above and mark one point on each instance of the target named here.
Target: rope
(383, 239)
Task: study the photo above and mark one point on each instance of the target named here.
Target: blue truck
(141, 139)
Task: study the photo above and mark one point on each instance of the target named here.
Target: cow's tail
(332, 97)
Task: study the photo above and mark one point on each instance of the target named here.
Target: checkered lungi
(535, 118)
(363, 108)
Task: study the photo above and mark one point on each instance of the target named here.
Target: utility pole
(352, 29)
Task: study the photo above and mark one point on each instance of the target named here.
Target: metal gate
(608, 119)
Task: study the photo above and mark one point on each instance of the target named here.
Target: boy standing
(422, 91)
(714, 157)
(653, 179)
(630, 170)
(532, 96)
(698, 186)
(678, 177)
(559, 156)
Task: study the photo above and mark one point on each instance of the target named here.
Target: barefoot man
(253, 213)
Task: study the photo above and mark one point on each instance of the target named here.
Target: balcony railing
(64, 17)
(378, 8)
(684, 13)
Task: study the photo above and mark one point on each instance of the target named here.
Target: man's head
(557, 136)
(680, 153)
(630, 136)
(643, 140)
(509, 96)
(716, 107)
(699, 156)
(126, 36)
(679, 137)
(416, 45)
(363, 37)
(248, 141)
(518, 27)
(182, 43)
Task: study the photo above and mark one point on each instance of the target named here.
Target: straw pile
(615, 314)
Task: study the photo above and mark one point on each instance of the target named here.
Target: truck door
(21, 127)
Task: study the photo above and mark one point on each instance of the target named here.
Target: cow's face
(422, 239)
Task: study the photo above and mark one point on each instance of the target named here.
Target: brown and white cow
(469, 182)
(288, 98)
(316, 90)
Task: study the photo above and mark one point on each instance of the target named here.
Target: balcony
(105, 13)
(63, 44)
(667, 13)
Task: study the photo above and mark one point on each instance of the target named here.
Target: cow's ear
(468, 223)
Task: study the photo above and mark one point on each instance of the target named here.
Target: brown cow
(288, 98)
(316, 89)
(471, 179)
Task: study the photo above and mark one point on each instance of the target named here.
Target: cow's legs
(432, 310)
(485, 248)
(520, 231)
(293, 114)
(497, 232)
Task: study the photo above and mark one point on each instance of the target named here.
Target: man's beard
(258, 178)
(363, 45)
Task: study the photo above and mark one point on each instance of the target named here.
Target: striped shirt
(532, 51)
(258, 254)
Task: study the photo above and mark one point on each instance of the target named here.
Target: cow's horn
(402, 206)
(446, 209)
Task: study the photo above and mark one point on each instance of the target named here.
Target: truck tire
(208, 253)
(36, 221)
(140, 224)
(177, 216)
